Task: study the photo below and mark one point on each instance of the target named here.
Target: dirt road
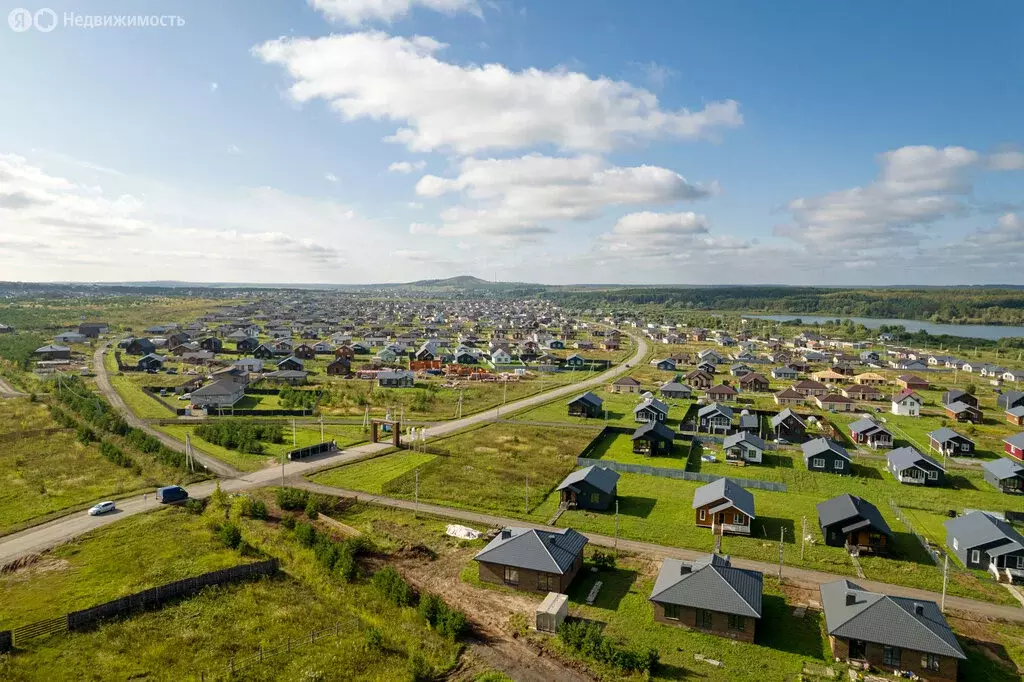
(8, 391)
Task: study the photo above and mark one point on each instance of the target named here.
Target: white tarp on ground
(457, 531)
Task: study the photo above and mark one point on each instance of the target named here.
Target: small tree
(971, 389)
(230, 535)
(305, 534)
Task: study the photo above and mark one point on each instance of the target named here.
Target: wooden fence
(266, 654)
(140, 601)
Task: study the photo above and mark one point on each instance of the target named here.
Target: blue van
(171, 493)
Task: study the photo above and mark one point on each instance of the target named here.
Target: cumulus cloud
(422, 228)
(524, 196)
(1006, 160)
(646, 223)
(358, 12)
(330, 177)
(406, 166)
(470, 108)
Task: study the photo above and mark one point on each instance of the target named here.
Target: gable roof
(626, 381)
(713, 408)
(978, 528)
(1003, 468)
(867, 425)
(743, 437)
(656, 429)
(588, 397)
(549, 551)
(945, 433)
(737, 495)
(907, 456)
(710, 583)
(653, 403)
(675, 387)
(722, 388)
(882, 619)
(1016, 440)
(790, 393)
(601, 478)
(784, 415)
(847, 507)
(820, 446)
(906, 393)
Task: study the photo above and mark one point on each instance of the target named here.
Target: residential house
(219, 394)
(649, 410)
(575, 361)
(1010, 399)
(590, 488)
(714, 418)
(824, 455)
(834, 402)
(292, 377)
(1015, 415)
(709, 595)
(912, 382)
(675, 390)
(789, 397)
(532, 560)
(910, 466)
(724, 506)
(70, 337)
(151, 362)
(211, 344)
(721, 393)
(401, 378)
(340, 366)
(785, 373)
(139, 347)
(653, 438)
(749, 422)
(849, 521)
(1014, 375)
(263, 352)
(711, 355)
(92, 330)
(291, 362)
(740, 370)
(666, 364)
(869, 379)
(323, 348)
(895, 634)
(587, 405)
(707, 366)
(787, 425)
(699, 379)
(982, 541)
(955, 395)
(754, 381)
(247, 345)
(1005, 475)
(625, 385)
(829, 376)
(949, 442)
(744, 446)
(248, 365)
(868, 432)
(810, 388)
(963, 412)
(1014, 446)
(500, 357)
(907, 403)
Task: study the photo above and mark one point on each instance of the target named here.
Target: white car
(102, 508)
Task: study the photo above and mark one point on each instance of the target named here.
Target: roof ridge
(914, 617)
(718, 570)
(906, 614)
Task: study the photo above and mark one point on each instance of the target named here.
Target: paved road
(797, 575)
(107, 389)
(44, 536)
(8, 391)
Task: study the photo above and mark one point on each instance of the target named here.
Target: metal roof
(914, 624)
(744, 437)
(653, 403)
(549, 551)
(785, 414)
(906, 457)
(715, 407)
(945, 433)
(850, 508)
(601, 478)
(820, 446)
(740, 497)
(978, 528)
(1016, 441)
(1003, 468)
(656, 429)
(709, 583)
(588, 397)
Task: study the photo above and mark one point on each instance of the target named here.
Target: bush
(116, 455)
(603, 561)
(584, 637)
(230, 535)
(326, 551)
(243, 435)
(312, 509)
(374, 639)
(393, 587)
(452, 623)
(420, 669)
(431, 605)
(305, 534)
(195, 506)
(85, 435)
(258, 510)
(360, 545)
(345, 566)
(292, 499)
(288, 522)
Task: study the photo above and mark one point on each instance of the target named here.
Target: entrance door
(858, 649)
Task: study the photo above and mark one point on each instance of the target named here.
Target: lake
(977, 331)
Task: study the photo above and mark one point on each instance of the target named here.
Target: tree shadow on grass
(906, 547)
(960, 482)
(768, 528)
(633, 505)
(615, 585)
(864, 471)
(779, 461)
(786, 632)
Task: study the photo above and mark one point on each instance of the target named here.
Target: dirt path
(489, 611)
(8, 391)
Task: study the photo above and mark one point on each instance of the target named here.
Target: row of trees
(246, 436)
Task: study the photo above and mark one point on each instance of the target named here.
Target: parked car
(185, 396)
(171, 493)
(102, 508)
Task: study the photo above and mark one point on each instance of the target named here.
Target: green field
(618, 447)
(373, 474)
(619, 408)
(138, 402)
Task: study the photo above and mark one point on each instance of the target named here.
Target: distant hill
(459, 282)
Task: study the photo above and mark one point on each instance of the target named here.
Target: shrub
(452, 623)
(288, 521)
(326, 551)
(292, 499)
(392, 586)
(243, 435)
(420, 669)
(85, 435)
(584, 637)
(603, 561)
(195, 506)
(116, 455)
(258, 510)
(305, 534)
(431, 606)
(312, 509)
(345, 566)
(230, 535)
(360, 545)
(374, 639)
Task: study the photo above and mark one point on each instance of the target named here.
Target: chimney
(684, 568)
(918, 609)
(851, 598)
(506, 533)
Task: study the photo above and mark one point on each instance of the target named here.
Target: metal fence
(265, 654)
(935, 554)
(678, 473)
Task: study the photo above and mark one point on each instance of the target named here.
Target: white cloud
(649, 223)
(655, 74)
(407, 166)
(1007, 160)
(234, 150)
(214, 87)
(469, 108)
(330, 177)
(422, 228)
(358, 12)
(524, 196)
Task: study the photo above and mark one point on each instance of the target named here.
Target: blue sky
(389, 140)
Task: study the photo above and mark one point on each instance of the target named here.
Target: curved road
(44, 536)
(8, 391)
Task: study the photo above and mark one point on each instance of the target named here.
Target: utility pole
(527, 494)
(616, 546)
(321, 428)
(417, 491)
(803, 537)
(782, 536)
(945, 579)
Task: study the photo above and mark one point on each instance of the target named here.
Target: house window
(965, 446)
(703, 619)
(975, 556)
(546, 582)
(672, 611)
(595, 498)
(703, 514)
(891, 655)
(838, 465)
(739, 519)
(818, 462)
(930, 662)
(737, 623)
(511, 575)
(933, 475)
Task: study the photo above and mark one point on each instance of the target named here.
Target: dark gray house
(151, 362)
(400, 378)
(532, 560)
(140, 347)
(1005, 475)
(889, 633)
(292, 363)
(910, 466)
(949, 442)
(590, 488)
(1010, 399)
(586, 405)
(650, 410)
(709, 594)
(674, 389)
(714, 418)
(788, 425)
(824, 455)
(653, 438)
(982, 541)
(849, 521)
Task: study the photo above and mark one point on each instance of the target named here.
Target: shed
(552, 611)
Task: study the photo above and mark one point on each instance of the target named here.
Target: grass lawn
(372, 474)
(136, 399)
(240, 460)
(618, 447)
(619, 408)
(488, 468)
(134, 554)
(44, 475)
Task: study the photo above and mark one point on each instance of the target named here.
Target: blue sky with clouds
(570, 141)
